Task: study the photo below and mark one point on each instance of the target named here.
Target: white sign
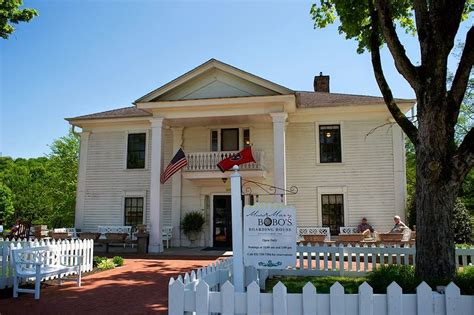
(269, 236)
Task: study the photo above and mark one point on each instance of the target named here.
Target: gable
(215, 83)
(214, 79)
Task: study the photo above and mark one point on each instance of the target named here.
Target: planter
(116, 236)
(311, 238)
(89, 236)
(59, 235)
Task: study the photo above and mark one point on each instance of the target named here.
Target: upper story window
(136, 147)
(229, 139)
(330, 144)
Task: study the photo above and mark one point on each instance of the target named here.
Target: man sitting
(365, 228)
(401, 227)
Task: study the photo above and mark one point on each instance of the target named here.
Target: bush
(461, 223)
(193, 222)
(465, 280)
(118, 261)
(106, 264)
(97, 260)
(404, 276)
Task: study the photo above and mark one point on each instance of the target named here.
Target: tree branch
(423, 27)
(463, 159)
(402, 62)
(410, 130)
(461, 78)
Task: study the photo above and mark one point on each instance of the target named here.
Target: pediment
(214, 79)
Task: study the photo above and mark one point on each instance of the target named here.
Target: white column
(399, 174)
(81, 180)
(237, 230)
(176, 190)
(279, 160)
(155, 245)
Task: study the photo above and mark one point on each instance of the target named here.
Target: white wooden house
(339, 150)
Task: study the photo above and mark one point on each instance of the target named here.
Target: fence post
(424, 299)
(202, 298)
(280, 304)
(366, 299)
(394, 299)
(176, 290)
(228, 302)
(237, 229)
(341, 260)
(310, 299)
(452, 295)
(253, 298)
(336, 299)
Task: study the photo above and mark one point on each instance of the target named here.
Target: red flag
(244, 156)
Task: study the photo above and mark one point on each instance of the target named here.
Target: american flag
(178, 162)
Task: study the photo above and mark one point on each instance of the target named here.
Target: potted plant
(192, 224)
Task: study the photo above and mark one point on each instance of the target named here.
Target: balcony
(203, 165)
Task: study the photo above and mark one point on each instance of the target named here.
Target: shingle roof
(125, 112)
(322, 99)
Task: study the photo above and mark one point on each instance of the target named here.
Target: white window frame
(147, 143)
(134, 194)
(218, 129)
(337, 190)
(318, 144)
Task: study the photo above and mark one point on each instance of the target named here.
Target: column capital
(156, 122)
(279, 117)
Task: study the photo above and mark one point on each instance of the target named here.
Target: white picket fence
(69, 247)
(209, 290)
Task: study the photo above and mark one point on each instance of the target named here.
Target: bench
(312, 234)
(343, 230)
(115, 234)
(167, 234)
(39, 263)
(64, 233)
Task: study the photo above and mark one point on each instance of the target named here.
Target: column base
(155, 249)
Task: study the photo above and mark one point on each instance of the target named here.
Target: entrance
(222, 218)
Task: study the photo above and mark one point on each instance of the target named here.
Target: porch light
(328, 134)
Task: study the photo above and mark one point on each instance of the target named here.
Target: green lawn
(322, 284)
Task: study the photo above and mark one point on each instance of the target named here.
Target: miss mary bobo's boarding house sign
(269, 236)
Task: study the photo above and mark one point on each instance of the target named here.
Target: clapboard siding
(107, 180)
(366, 172)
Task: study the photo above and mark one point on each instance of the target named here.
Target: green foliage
(97, 260)
(106, 264)
(43, 189)
(6, 206)
(465, 280)
(322, 284)
(383, 276)
(118, 261)
(193, 222)
(10, 13)
(461, 223)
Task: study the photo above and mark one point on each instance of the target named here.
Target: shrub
(404, 276)
(106, 264)
(465, 280)
(118, 261)
(193, 222)
(461, 223)
(97, 260)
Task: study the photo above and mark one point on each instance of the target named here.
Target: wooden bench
(42, 262)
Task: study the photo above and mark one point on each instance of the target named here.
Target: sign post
(237, 237)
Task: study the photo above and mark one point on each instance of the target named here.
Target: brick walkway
(139, 287)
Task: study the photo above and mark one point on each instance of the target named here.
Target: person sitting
(401, 227)
(365, 228)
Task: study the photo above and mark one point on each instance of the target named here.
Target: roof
(126, 112)
(213, 64)
(323, 99)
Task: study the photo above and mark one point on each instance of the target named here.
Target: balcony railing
(207, 161)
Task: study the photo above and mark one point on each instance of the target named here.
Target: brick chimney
(321, 83)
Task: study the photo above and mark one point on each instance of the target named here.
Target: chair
(41, 262)
(20, 230)
(167, 234)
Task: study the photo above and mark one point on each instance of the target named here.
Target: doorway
(222, 218)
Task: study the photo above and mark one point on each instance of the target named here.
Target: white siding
(366, 172)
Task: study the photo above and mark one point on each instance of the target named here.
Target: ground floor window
(333, 212)
(133, 211)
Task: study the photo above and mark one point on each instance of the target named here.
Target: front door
(222, 229)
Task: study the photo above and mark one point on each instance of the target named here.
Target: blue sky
(80, 57)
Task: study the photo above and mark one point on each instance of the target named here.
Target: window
(214, 141)
(246, 138)
(330, 144)
(133, 211)
(332, 212)
(136, 150)
(230, 139)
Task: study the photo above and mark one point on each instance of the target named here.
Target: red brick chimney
(321, 83)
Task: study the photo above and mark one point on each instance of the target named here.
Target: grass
(322, 284)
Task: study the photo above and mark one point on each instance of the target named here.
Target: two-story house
(341, 151)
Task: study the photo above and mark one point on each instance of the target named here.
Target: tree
(6, 206)
(441, 164)
(10, 13)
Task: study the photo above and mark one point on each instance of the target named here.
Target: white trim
(147, 138)
(399, 172)
(133, 194)
(81, 179)
(316, 132)
(332, 191)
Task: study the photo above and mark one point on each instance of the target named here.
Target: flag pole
(237, 229)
